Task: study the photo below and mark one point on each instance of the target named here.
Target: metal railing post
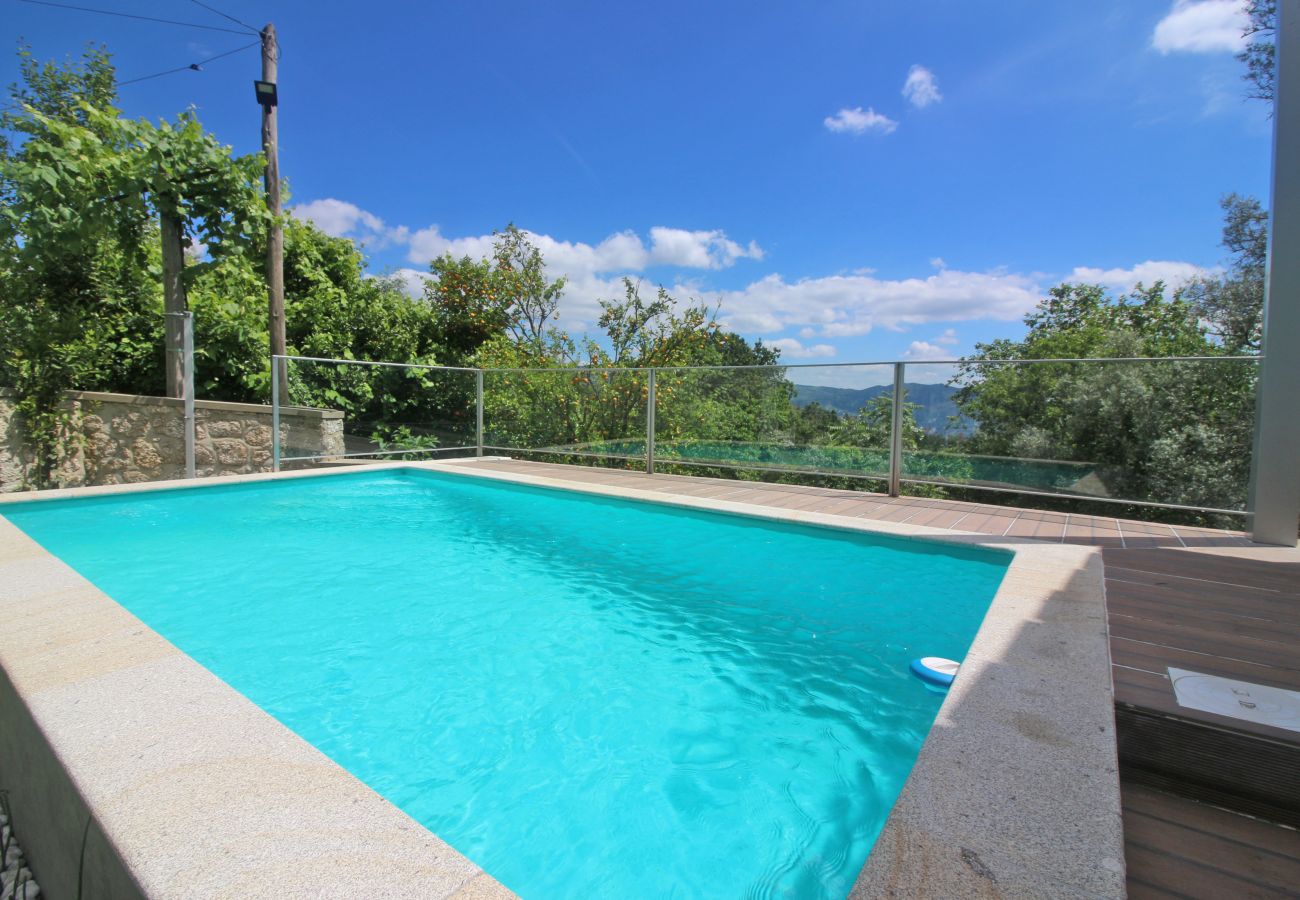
(276, 363)
(650, 425)
(1274, 490)
(896, 433)
(478, 411)
(187, 345)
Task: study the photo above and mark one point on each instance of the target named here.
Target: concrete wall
(125, 439)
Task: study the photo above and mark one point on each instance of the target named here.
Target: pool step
(1236, 770)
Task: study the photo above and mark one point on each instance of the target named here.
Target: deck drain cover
(1237, 699)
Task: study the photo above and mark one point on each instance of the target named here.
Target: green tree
(334, 310)
(80, 192)
(1147, 427)
(530, 299)
(873, 425)
(1233, 303)
(1260, 54)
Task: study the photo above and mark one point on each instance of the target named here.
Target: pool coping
(1015, 791)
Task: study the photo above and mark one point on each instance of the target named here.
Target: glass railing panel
(816, 419)
(1152, 431)
(376, 412)
(567, 412)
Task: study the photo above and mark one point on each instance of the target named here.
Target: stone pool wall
(128, 438)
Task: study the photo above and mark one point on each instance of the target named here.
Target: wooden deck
(1180, 848)
(1193, 598)
(1233, 613)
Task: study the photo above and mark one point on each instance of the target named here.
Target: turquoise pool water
(586, 696)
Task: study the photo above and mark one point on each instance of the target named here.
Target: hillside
(934, 402)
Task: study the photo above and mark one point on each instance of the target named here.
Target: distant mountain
(934, 403)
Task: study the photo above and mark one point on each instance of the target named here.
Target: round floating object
(935, 670)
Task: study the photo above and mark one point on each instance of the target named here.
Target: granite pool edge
(1015, 792)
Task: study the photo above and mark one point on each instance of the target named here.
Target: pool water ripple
(585, 696)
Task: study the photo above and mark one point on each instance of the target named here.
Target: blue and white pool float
(935, 670)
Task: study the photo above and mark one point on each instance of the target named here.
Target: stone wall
(16, 453)
(124, 438)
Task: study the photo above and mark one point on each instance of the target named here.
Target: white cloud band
(1202, 26)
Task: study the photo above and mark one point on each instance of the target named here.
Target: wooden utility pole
(173, 263)
(275, 241)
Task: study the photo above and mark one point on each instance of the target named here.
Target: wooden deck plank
(1210, 641)
(1212, 567)
(1231, 827)
(1227, 601)
(1192, 879)
(1157, 658)
(1181, 616)
(1180, 848)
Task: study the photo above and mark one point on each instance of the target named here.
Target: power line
(194, 66)
(213, 9)
(122, 15)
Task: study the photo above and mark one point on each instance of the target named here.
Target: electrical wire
(122, 15)
(213, 9)
(194, 66)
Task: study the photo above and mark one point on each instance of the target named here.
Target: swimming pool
(583, 695)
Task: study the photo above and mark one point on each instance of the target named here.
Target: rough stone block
(231, 451)
(145, 454)
(258, 436)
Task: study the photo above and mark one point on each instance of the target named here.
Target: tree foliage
(1167, 431)
(1233, 303)
(1260, 53)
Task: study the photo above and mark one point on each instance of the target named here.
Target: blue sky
(848, 180)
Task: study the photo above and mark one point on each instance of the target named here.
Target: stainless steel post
(650, 425)
(277, 362)
(478, 411)
(896, 433)
(1274, 475)
(187, 347)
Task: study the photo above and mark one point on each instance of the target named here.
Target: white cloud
(594, 272)
(858, 121)
(848, 305)
(339, 218)
(411, 280)
(624, 251)
(921, 87)
(937, 262)
(1173, 274)
(1201, 26)
(698, 249)
(925, 350)
(792, 349)
(818, 310)
(427, 244)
